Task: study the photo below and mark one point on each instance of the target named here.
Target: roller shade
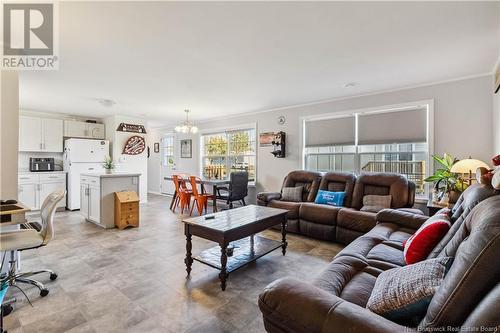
(330, 132)
(392, 127)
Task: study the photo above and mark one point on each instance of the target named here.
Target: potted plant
(108, 165)
(446, 183)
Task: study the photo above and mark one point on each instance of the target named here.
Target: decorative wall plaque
(123, 127)
(135, 145)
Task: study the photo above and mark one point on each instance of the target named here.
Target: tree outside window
(229, 151)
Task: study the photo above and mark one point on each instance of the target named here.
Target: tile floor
(135, 280)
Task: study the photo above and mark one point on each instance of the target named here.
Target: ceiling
(155, 59)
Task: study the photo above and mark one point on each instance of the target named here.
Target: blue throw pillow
(330, 198)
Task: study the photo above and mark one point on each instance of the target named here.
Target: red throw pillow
(421, 243)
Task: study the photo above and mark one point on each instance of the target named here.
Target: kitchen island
(97, 195)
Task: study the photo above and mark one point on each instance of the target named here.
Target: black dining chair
(237, 190)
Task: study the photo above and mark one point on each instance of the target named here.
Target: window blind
(330, 132)
(392, 127)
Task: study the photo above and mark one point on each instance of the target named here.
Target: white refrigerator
(82, 156)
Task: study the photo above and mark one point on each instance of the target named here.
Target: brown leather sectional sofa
(335, 302)
(340, 224)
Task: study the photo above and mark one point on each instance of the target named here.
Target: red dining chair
(183, 196)
(200, 198)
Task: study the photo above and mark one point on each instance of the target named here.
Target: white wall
(128, 163)
(154, 161)
(462, 121)
(9, 133)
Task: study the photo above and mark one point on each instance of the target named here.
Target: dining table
(215, 183)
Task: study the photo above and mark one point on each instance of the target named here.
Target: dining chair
(200, 198)
(183, 196)
(237, 189)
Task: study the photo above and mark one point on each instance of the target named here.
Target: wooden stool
(126, 209)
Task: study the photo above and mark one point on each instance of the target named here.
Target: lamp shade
(468, 165)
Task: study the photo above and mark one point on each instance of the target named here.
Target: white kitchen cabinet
(95, 203)
(48, 188)
(80, 129)
(30, 134)
(28, 195)
(95, 131)
(97, 195)
(52, 134)
(84, 200)
(73, 128)
(34, 188)
(40, 134)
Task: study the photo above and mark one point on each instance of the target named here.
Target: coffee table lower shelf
(243, 253)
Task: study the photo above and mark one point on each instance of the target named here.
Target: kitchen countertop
(24, 172)
(110, 175)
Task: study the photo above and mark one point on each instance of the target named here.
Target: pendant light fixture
(187, 126)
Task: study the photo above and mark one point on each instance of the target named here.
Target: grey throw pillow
(375, 203)
(403, 294)
(293, 194)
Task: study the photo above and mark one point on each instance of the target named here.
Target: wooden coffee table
(238, 227)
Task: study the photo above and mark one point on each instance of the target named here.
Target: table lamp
(468, 165)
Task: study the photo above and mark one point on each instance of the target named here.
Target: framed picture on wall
(187, 148)
(266, 139)
(157, 147)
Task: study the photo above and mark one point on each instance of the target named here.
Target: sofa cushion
(308, 179)
(421, 243)
(381, 247)
(350, 278)
(339, 182)
(330, 198)
(403, 294)
(379, 183)
(321, 214)
(292, 194)
(356, 220)
(375, 203)
(292, 207)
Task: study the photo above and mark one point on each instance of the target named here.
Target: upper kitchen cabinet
(80, 129)
(40, 134)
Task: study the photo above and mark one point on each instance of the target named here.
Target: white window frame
(249, 126)
(428, 104)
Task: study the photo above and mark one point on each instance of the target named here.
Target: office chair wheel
(7, 309)
(53, 276)
(44, 292)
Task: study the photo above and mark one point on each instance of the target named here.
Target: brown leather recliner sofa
(340, 224)
(466, 301)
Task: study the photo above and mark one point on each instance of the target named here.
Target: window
(391, 141)
(167, 150)
(228, 151)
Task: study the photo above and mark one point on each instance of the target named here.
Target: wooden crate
(126, 209)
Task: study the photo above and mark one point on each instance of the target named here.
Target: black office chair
(237, 190)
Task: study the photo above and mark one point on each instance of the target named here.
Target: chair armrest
(291, 305)
(268, 196)
(402, 218)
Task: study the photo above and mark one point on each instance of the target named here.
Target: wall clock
(281, 120)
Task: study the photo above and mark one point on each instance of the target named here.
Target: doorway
(168, 163)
